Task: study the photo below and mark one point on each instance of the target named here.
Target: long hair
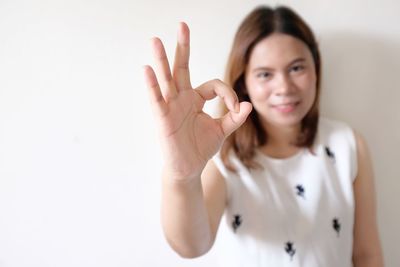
(260, 23)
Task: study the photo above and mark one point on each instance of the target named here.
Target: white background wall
(79, 157)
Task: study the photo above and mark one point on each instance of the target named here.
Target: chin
(286, 121)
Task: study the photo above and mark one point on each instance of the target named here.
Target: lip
(286, 107)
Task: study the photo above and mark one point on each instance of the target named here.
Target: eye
(297, 68)
(263, 75)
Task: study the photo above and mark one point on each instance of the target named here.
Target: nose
(284, 85)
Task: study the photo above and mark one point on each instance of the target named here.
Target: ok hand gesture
(189, 137)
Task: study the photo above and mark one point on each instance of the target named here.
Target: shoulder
(363, 158)
(332, 126)
(363, 155)
(361, 144)
(341, 134)
(335, 132)
(340, 139)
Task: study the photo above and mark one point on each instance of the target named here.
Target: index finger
(168, 88)
(213, 88)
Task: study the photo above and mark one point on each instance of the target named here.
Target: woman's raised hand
(189, 137)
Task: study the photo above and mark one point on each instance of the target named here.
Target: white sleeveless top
(297, 211)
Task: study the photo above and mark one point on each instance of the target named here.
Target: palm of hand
(189, 136)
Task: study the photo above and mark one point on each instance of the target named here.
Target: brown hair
(260, 23)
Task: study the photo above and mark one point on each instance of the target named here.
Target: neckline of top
(281, 160)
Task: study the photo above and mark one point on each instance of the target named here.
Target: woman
(295, 189)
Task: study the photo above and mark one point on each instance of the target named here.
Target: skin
(189, 138)
(280, 70)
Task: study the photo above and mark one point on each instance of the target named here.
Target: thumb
(233, 120)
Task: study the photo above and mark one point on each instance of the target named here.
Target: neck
(281, 140)
(282, 135)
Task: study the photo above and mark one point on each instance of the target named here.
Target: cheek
(257, 91)
(308, 84)
(309, 92)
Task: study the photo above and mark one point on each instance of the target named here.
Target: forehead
(278, 49)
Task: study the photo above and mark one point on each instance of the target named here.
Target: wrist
(180, 176)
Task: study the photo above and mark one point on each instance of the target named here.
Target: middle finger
(181, 65)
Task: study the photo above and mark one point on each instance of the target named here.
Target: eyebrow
(297, 60)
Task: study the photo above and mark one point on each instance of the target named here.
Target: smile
(287, 107)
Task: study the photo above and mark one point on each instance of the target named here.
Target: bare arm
(192, 210)
(191, 206)
(367, 250)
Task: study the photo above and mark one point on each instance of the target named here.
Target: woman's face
(281, 80)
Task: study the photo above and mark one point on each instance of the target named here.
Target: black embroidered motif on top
(336, 225)
(300, 191)
(237, 221)
(330, 153)
(289, 248)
